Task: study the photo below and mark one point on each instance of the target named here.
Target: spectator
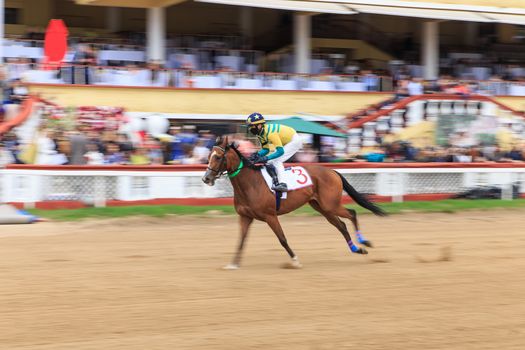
(515, 154)
(139, 157)
(328, 156)
(78, 143)
(376, 155)
(415, 87)
(93, 155)
(401, 89)
(93, 137)
(307, 154)
(4, 86)
(177, 150)
(113, 154)
(188, 157)
(153, 149)
(124, 143)
(84, 56)
(5, 156)
(18, 92)
(370, 80)
(13, 146)
(46, 150)
(200, 153)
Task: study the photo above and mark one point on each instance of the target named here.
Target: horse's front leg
(245, 223)
(274, 224)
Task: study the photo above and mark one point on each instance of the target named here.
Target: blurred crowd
(84, 145)
(183, 70)
(403, 151)
(410, 86)
(185, 145)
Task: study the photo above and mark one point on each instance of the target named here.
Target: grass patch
(444, 206)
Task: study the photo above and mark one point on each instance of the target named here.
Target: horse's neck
(246, 180)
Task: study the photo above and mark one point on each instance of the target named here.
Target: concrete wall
(210, 101)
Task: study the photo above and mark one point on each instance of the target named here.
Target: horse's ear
(218, 140)
(225, 141)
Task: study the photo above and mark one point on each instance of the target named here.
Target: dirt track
(434, 281)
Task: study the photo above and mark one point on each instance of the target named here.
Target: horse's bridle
(223, 159)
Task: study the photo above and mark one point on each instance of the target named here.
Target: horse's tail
(360, 199)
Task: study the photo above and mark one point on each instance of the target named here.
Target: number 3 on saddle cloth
(295, 178)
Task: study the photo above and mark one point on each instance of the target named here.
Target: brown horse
(254, 200)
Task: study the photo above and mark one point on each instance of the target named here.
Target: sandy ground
(434, 281)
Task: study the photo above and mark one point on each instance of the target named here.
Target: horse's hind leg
(275, 225)
(340, 225)
(352, 215)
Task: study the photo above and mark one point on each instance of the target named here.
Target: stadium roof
(502, 11)
(129, 3)
(462, 10)
(292, 5)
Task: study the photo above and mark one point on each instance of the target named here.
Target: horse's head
(217, 161)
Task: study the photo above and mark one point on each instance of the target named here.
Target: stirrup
(282, 187)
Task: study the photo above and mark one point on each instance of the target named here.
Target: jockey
(283, 138)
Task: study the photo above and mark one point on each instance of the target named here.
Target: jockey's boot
(277, 186)
(280, 187)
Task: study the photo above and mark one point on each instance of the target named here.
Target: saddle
(294, 177)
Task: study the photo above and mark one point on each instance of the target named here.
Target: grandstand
(382, 74)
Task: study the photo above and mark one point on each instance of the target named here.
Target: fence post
(507, 192)
(99, 200)
(391, 184)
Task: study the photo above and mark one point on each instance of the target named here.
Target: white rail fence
(97, 186)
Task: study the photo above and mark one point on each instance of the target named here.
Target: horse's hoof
(367, 244)
(294, 264)
(361, 251)
(231, 267)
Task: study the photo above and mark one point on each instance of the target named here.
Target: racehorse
(254, 200)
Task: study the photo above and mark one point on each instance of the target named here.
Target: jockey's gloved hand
(261, 159)
(252, 158)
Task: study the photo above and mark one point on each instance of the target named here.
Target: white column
(2, 25)
(302, 35)
(156, 34)
(430, 50)
(113, 16)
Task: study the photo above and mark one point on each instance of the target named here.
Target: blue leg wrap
(353, 247)
(360, 237)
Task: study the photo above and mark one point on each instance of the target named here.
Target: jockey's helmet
(253, 120)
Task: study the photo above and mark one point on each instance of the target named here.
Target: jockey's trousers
(290, 149)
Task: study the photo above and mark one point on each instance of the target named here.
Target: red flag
(55, 44)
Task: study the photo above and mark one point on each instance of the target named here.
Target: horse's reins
(223, 158)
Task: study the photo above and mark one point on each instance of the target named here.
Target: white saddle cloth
(295, 178)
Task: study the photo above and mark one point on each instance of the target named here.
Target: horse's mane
(245, 160)
(233, 146)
